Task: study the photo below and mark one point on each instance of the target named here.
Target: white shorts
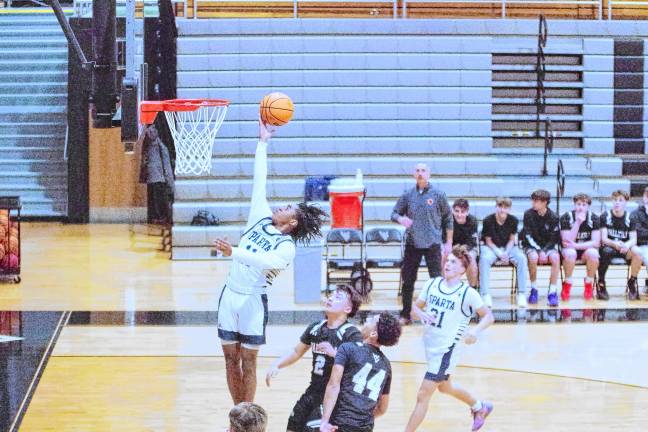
(441, 365)
(643, 250)
(242, 318)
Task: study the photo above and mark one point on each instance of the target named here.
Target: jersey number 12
(374, 384)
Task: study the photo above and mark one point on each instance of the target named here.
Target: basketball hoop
(194, 124)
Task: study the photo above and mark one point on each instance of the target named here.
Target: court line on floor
(553, 375)
(64, 318)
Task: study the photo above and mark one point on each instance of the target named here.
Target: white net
(194, 133)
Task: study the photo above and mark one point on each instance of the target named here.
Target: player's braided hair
(248, 417)
(310, 219)
(388, 329)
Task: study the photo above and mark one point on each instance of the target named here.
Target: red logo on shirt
(430, 201)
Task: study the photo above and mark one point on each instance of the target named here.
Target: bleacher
(383, 95)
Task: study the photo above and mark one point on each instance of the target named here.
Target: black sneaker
(633, 289)
(601, 292)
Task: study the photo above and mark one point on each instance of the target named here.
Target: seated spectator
(465, 233)
(499, 234)
(617, 239)
(639, 222)
(247, 417)
(581, 238)
(540, 238)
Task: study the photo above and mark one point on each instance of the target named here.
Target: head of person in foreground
(247, 417)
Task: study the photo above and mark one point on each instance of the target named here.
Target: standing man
(266, 248)
(425, 212)
(358, 390)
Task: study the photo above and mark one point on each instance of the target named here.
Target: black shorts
(353, 428)
(307, 409)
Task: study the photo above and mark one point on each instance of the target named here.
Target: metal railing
(84, 7)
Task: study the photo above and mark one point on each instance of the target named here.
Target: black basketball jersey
(585, 230)
(367, 376)
(618, 228)
(318, 332)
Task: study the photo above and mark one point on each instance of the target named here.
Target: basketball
(276, 109)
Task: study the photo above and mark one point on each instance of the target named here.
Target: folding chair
(380, 239)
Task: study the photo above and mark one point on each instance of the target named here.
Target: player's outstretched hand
(470, 337)
(272, 372)
(327, 427)
(224, 246)
(265, 131)
(326, 348)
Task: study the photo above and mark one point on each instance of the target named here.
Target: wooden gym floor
(115, 337)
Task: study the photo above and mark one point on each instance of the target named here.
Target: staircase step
(18, 142)
(31, 165)
(34, 54)
(32, 180)
(31, 30)
(33, 87)
(58, 194)
(29, 77)
(44, 43)
(32, 65)
(59, 99)
(43, 153)
(30, 128)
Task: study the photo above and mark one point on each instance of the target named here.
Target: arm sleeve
(279, 258)
(387, 387)
(306, 336)
(342, 354)
(554, 234)
(529, 231)
(471, 302)
(400, 208)
(486, 228)
(259, 207)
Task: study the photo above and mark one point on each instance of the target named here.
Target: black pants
(307, 408)
(606, 255)
(409, 271)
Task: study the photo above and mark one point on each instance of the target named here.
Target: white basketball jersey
(452, 309)
(261, 239)
(263, 250)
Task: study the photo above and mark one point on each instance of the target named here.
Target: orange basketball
(276, 109)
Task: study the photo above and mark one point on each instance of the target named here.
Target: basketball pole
(129, 92)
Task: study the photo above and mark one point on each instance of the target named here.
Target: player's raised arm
(286, 360)
(259, 207)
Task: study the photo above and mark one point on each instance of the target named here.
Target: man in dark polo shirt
(425, 212)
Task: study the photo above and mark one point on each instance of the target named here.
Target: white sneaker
(522, 301)
(488, 300)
